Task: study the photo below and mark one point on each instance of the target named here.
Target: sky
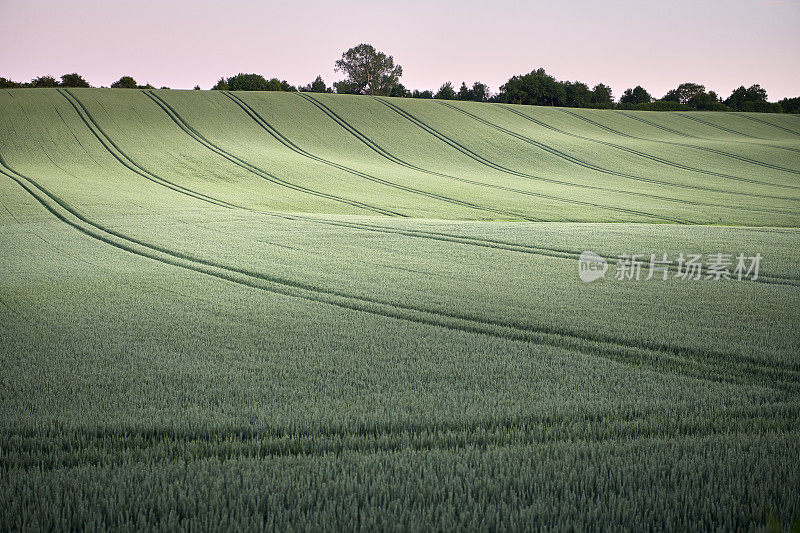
(721, 44)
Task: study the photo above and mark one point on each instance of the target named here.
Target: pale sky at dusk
(180, 43)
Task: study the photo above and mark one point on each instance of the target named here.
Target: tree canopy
(73, 80)
(637, 95)
(252, 82)
(317, 86)
(754, 98)
(368, 71)
(44, 81)
(125, 82)
(446, 92)
(372, 72)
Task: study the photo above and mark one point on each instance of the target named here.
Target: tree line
(369, 71)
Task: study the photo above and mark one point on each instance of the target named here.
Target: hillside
(275, 310)
(339, 154)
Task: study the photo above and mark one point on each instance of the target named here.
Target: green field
(315, 311)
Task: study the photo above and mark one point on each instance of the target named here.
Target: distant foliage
(125, 82)
(637, 95)
(754, 98)
(253, 82)
(9, 84)
(44, 81)
(446, 92)
(479, 92)
(534, 88)
(695, 97)
(602, 97)
(790, 105)
(73, 80)
(317, 86)
(372, 72)
(247, 82)
(577, 94)
(399, 90)
(222, 85)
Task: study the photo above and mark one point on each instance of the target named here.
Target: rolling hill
(274, 310)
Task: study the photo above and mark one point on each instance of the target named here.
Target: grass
(272, 311)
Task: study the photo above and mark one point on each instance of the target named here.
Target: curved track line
(494, 166)
(692, 146)
(254, 169)
(458, 239)
(125, 160)
(446, 237)
(595, 345)
(716, 126)
(538, 250)
(382, 152)
(598, 168)
(285, 141)
(765, 122)
(465, 150)
(658, 126)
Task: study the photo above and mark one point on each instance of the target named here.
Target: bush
(73, 80)
(125, 82)
(44, 81)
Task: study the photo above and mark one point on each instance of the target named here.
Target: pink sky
(719, 43)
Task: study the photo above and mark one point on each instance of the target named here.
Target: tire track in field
(716, 126)
(177, 119)
(655, 158)
(743, 134)
(32, 449)
(285, 141)
(474, 241)
(764, 122)
(686, 360)
(674, 143)
(543, 251)
(664, 128)
(592, 166)
(375, 147)
(125, 160)
(391, 157)
(478, 158)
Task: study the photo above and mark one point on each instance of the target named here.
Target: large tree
(317, 86)
(125, 82)
(637, 95)
(422, 94)
(247, 82)
(534, 88)
(368, 71)
(44, 81)
(446, 92)
(9, 84)
(602, 95)
(73, 80)
(788, 105)
(742, 99)
(684, 92)
(479, 92)
(578, 94)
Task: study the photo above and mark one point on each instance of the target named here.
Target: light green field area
(274, 310)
